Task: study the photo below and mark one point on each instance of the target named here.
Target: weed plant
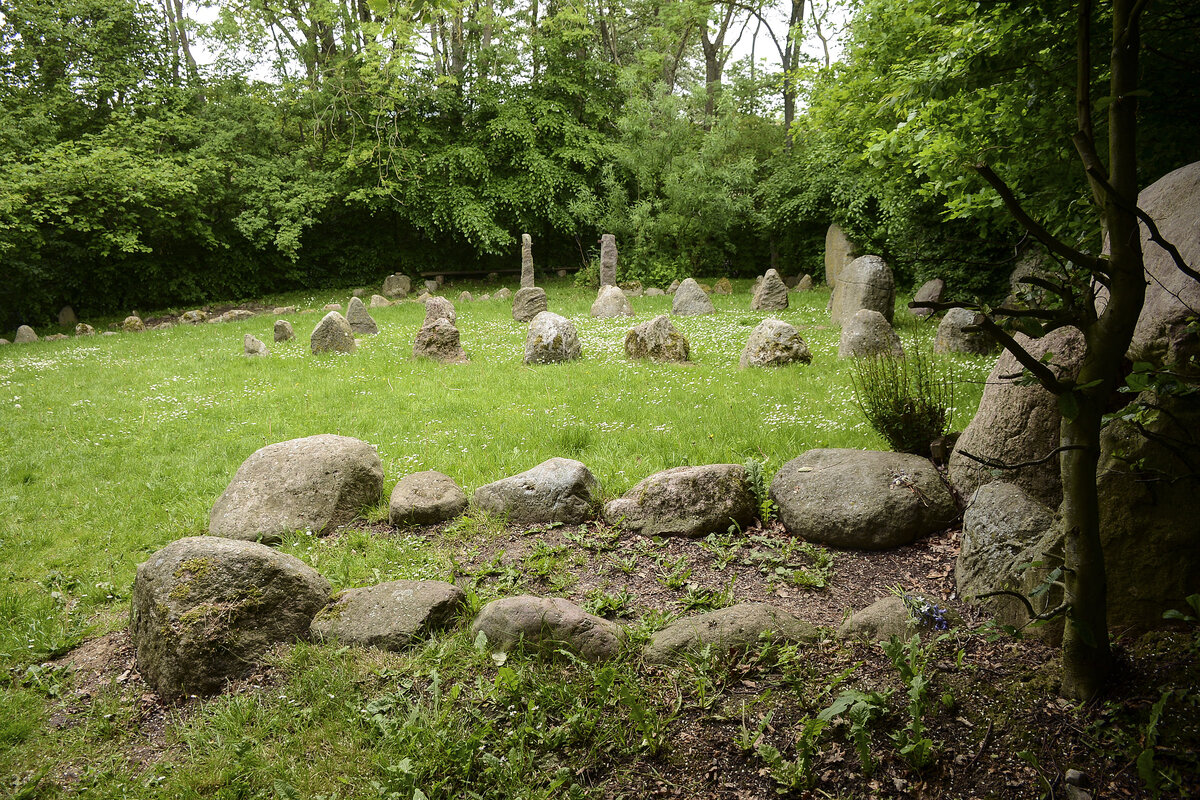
(908, 400)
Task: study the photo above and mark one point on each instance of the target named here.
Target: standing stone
(332, 334)
(673, 288)
(608, 260)
(316, 483)
(465, 297)
(253, 346)
(283, 331)
(723, 286)
(865, 282)
(360, 319)
(930, 292)
(133, 324)
(432, 286)
(397, 285)
(839, 252)
(690, 300)
(83, 329)
(439, 308)
(774, 343)
(771, 294)
(805, 284)
(378, 301)
(657, 340)
(528, 303)
(502, 294)
(952, 336)
(204, 609)
(66, 316)
(551, 339)
(439, 340)
(867, 333)
(611, 302)
(526, 261)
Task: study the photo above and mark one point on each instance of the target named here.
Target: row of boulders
(205, 609)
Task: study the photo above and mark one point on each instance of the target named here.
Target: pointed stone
(253, 346)
(360, 319)
(526, 261)
(332, 334)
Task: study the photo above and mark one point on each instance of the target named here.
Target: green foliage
(909, 399)
(911, 659)
(757, 481)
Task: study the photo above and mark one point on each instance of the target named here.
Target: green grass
(115, 446)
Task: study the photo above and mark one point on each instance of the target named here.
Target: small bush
(909, 400)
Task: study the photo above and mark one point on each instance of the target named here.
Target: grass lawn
(115, 446)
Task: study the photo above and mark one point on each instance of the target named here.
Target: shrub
(908, 400)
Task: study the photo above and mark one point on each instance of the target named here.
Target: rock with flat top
(557, 490)
(547, 624)
(740, 627)
(388, 616)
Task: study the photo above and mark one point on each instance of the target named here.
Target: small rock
(611, 302)
(332, 334)
(439, 308)
(953, 336)
(284, 331)
(465, 297)
(388, 616)
(426, 498)
(280, 310)
(379, 301)
(193, 317)
(253, 346)
(723, 287)
(332, 307)
(360, 292)
(686, 501)
(432, 286)
(657, 340)
(55, 337)
(738, 627)
(547, 623)
(133, 324)
(83, 329)
(674, 287)
(557, 490)
(66, 316)
(25, 335)
(654, 291)
(805, 284)
(397, 285)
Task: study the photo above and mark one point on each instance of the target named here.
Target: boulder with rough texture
(839, 252)
(654, 291)
(25, 335)
(316, 483)
(361, 321)
(66, 316)
(193, 317)
(397, 285)
(805, 284)
(204, 609)
(771, 294)
(547, 624)
(930, 292)
(953, 336)
(426, 498)
(866, 282)
(867, 333)
(378, 301)
(253, 346)
(892, 616)
(723, 287)
(1018, 424)
(774, 343)
(466, 297)
(739, 627)
(439, 340)
(551, 339)
(439, 308)
(526, 261)
(608, 260)
(237, 315)
(611, 302)
(432, 286)
(861, 499)
(686, 501)
(528, 303)
(83, 329)
(557, 490)
(332, 335)
(55, 337)
(388, 616)
(1161, 335)
(327, 307)
(691, 300)
(283, 331)
(657, 340)
(280, 310)
(673, 287)
(503, 293)
(133, 324)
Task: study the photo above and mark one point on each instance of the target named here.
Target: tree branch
(992, 463)
(1043, 373)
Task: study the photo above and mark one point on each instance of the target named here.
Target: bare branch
(1040, 371)
(992, 463)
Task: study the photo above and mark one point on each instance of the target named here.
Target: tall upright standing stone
(839, 252)
(608, 260)
(526, 261)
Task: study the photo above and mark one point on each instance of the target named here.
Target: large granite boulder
(861, 499)
(332, 335)
(1162, 336)
(551, 339)
(691, 300)
(439, 308)
(839, 252)
(547, 624)
(770, 294)
(739, 627)
(656, 340)
(611, 302)
(25, 335)
(931, 291)
(361, 321)
(204, 609)
(316, 483)
(868, 333)
(388, 616)
(397, 285)
(686, 501)
(557, 490)
(774, 343)
(953, 336)
(426, 498)
(440, 341)
(866, 282)
(528, 302)
(1018, 423)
